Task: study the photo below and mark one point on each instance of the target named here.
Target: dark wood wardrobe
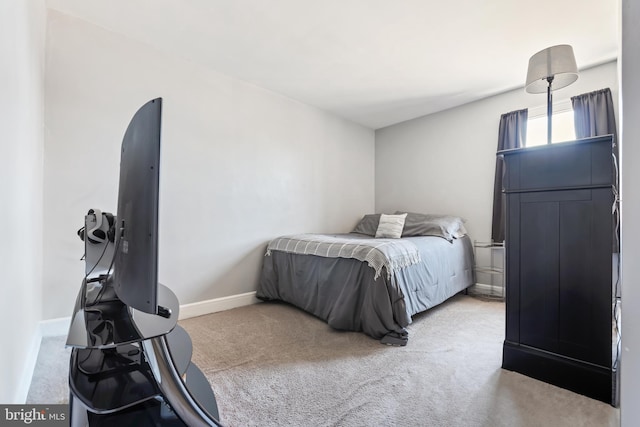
(561, 265)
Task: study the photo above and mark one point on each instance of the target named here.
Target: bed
(359, 282)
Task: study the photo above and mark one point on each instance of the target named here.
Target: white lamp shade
(555, 61)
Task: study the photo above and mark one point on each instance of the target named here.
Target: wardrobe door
(586, 240)
(565, 273)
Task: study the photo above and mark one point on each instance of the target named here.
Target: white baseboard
(217, 304)
(60, 326)
(55, 327)
(22, 389)
(45, 328)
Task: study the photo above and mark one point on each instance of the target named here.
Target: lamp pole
(549, 109)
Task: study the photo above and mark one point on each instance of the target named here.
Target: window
(562, 125)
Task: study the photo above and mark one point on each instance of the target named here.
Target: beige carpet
(273, 365)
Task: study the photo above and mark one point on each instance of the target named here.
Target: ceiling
(375, 62)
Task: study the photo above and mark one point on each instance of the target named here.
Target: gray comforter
(348, 293)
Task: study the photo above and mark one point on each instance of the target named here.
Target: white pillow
(390, 226)
(461, 232)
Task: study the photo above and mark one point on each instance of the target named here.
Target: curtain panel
(594, 115)
(512, 133)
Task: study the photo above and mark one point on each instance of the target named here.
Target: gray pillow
(445, 226)
(368, 225)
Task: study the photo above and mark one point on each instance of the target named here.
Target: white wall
(22, 30)
(630, 147)
(445, 162)
(240, 165)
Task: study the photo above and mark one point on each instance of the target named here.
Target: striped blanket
(394, 254)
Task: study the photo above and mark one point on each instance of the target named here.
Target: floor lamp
(551, 69)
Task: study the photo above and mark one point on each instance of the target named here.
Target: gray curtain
(594, 116)
(512, 133)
